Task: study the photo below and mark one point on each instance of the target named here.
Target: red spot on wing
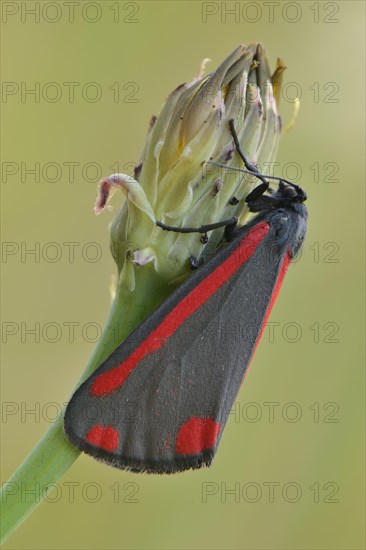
(111, 380)
(196, 435)
(105, 438)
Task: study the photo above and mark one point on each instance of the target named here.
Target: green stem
(54, 455)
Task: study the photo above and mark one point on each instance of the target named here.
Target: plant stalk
(54, 455)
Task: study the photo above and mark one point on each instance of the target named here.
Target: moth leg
(195, 262)
(230, 231)
(203, 229)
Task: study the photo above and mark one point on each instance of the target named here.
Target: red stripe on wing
(111, 380)
(285, 263)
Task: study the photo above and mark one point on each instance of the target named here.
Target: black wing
(160, 402)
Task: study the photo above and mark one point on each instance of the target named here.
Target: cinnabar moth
(161, 400)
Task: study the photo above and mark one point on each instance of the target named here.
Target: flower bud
(174, 182)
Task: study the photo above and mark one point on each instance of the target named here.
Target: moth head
(292, 192)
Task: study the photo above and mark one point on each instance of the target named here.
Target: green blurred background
(297, 484)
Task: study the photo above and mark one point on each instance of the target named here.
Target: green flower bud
(175, 185)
